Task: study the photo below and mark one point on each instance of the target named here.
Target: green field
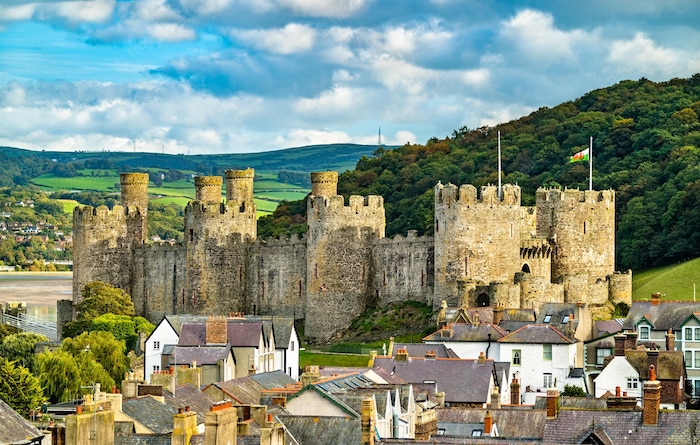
(349, 360)
(97, 183)
(68, 204)
(676, 281)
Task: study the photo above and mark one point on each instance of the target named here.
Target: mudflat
(36, 288)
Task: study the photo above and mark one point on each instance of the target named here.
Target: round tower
(324, 184)
(239, 186)
(208, 188)
(134, 187)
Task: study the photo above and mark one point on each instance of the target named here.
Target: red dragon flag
(580, 156)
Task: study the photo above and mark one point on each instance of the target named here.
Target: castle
(487, 249)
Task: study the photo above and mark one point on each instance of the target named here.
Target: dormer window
(547, 318)
(644, 333)
(565, 320)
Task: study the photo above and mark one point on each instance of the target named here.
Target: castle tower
(104, 240)
(239, 186)
(581, 227)
(339, 255)
(477, 239)
(216, 240)
(208, 188)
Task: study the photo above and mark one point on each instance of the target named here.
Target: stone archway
(482, 299)
(526, 268)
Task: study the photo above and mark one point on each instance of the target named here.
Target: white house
(619, 373)
(167, 332)
(542, 358)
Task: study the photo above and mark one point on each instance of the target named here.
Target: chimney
(430, 355)
(372, 356)
(440, 398)
(552, 403)
(655, 298)
(617, 391)
(482, 358)
(652, 358)
(670, 340)
(446, 331)
(401, 355)
(476, 319)
(495, 398)
(390, 351)
(310, 375)
(368, 412)
(515, 392)
(184, 427)
(571, 326)
(216, 328)
(620, 345)
(221, 425)
(488, 423)
(497, 314)
(631, 341)
(652, 399)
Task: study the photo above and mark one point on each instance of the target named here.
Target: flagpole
(500, 194)
(590, 165)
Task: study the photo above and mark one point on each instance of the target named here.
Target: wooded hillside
(646, 146)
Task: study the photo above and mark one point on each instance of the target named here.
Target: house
(443, 374)
(655, 318)
(541, 357)
(215, 362)
(248, 389)
(468, 340)
(15, 429)
(167, 332)
(628, 369)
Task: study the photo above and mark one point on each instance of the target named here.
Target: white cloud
(153, 10)
(206, 7)
(293, 38)
(301, 137)
(324, 8)
(170, 32)
(91, 11)
(533, 35)
(640, 56)
(338, 100)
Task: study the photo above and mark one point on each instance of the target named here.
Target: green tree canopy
(123, 327)
(102, 298)
(19, 388)
(19, 348)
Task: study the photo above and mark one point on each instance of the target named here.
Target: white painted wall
(616, 374)
(162, 335)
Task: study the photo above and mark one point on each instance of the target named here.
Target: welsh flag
(580, 156)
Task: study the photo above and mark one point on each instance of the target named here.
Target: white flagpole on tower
(500, 194)
(590, 165)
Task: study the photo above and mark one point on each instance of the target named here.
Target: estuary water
(38, 290)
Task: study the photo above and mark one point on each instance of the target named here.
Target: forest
(646, 146)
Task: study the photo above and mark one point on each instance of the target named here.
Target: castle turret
(477, 239)
(239, 187)
(581, 227)
(208, 188)
(339, 255)
(134, 188)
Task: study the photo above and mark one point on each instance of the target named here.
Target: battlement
(411, 237)
(161, 246)
(201, 209)
(356, 202)
(282, 241)
(103, 213)
(467, 195)
(248, 173)
(572, 196)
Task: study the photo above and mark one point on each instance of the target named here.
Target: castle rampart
(487, 249)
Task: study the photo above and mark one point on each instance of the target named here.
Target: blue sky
(234, 76)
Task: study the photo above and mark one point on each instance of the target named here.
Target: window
(696, 388)
(477, 433)
(688, 334)
(644, 332)
(691, 334)
(600, 354)
(565, 320)
(156, 368)
(548, 380)
(547, 318)
(547, 352)
(291, 347)
(696, 362)
(516, 357)
(156, 345)
(688, 359)
(632, 383)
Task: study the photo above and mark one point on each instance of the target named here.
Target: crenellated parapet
(282, 241)
(409, 238)
(535, 248)
(466, 195)
(361, 211)
(574, 196)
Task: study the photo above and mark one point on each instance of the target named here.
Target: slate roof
(344, 382)
(486, 314)
(537, 333)
(156, 416)
(272, 379)
(142, 439)
(573, 403)
(248, 389)
(664, 316)
(188, 395)
(193, 334)
(673, 428)
(669, 364)
(13, 427)
(202, 355)
(239, 333)
(512, 423)
(469, 332)
(609, 326)
(176, 321)
(450, 376)
(329, 371)
(557, 313)
(324, 430)
(420, 349)
(381, 393)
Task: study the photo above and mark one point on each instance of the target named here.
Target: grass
(676, 281)
(68, 204)
(99, 183)
(322, 359)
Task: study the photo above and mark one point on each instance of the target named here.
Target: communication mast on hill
(379, 139)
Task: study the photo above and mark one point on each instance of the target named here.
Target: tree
(103, 298)
(573, 391)
(19, 388)
(19, 348)
(122, 327)
(95, 357)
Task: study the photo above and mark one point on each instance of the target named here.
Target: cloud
(323, 8)
(170, 32)
(293, 38)
(73, 12)
(641, 55)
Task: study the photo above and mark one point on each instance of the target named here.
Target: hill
(646, 138)
(677, 281)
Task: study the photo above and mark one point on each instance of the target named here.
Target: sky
(239, 76)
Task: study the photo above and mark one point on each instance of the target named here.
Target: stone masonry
(487, 250)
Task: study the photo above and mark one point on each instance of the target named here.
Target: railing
(28, 323)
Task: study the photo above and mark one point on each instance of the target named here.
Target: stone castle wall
(486, 250)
